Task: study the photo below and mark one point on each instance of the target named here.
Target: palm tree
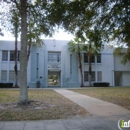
(90, 51)
(93, 45)
(15, 30)
(75, 46)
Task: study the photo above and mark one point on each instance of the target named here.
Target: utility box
(38, 84)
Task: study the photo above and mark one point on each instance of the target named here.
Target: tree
(113, 18)
(93, 46)
(21, 7)
(1, 34)
(125, 52)
(23, 52)
(33, 16)
(15, 29)
(75, 46)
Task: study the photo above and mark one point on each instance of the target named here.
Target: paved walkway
(88, 123)
(94, 106)
(105, 116)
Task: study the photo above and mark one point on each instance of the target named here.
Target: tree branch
(17, 5)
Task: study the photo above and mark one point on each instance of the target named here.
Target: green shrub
(6, 85)
(101, 84)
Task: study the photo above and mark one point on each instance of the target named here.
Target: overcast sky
(61, 35)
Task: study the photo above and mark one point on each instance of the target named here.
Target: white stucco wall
(119, 66)
(109, 64)
(126, 79)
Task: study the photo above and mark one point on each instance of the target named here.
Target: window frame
(99, 76)
(99, 58)
(4, 77)
(54, 57)
(12, 56)
(86, 77)
(11, 76)
(85, 58)
(4, 56)
(92, 58)
(93, 76)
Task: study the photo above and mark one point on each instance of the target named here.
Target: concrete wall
(119, 66)
(126, 79)
(108, 66)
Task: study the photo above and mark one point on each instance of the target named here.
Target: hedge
(6, 85)
(101, 84)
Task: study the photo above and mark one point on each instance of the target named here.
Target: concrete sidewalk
(88, 123)
(94, 106)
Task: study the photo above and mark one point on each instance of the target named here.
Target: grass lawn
(46, 104)
(116, 95)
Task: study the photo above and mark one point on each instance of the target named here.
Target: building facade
(53, 65)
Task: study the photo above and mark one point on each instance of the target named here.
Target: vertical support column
(45, 72)
(8, 62)
(0, 63)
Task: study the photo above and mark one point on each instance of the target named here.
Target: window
(85, 75)
(4, 55)
(99, 58)
(37, 63)
(99, 76)
(92, 58)
(12, 57)
(54, 57)
(93, 75)
(18, 55)
(4, 76)
(11, 76)
(85, 58)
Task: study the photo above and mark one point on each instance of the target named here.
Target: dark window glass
(99, 75)
(4, 55)
(93, 75)
(92, 58)
(85, 75)
(12, 56)
(99, 58)
(85, 58)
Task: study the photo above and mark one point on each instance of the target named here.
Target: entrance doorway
(118, 78)
(53, 79)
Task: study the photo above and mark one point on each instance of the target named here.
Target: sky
(61, 35)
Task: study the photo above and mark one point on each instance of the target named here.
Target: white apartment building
(55, 66)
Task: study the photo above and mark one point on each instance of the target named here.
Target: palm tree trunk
(23, 54)
(16, 55)
(80, 68)
(90, 69)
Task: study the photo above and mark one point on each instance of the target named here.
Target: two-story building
(55, 66)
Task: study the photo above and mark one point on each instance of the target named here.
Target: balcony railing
(54, 66)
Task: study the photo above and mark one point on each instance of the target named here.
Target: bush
(101, 84)
(6, 85)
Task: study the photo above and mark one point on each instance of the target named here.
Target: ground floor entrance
(122, 78)
(54, 79)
